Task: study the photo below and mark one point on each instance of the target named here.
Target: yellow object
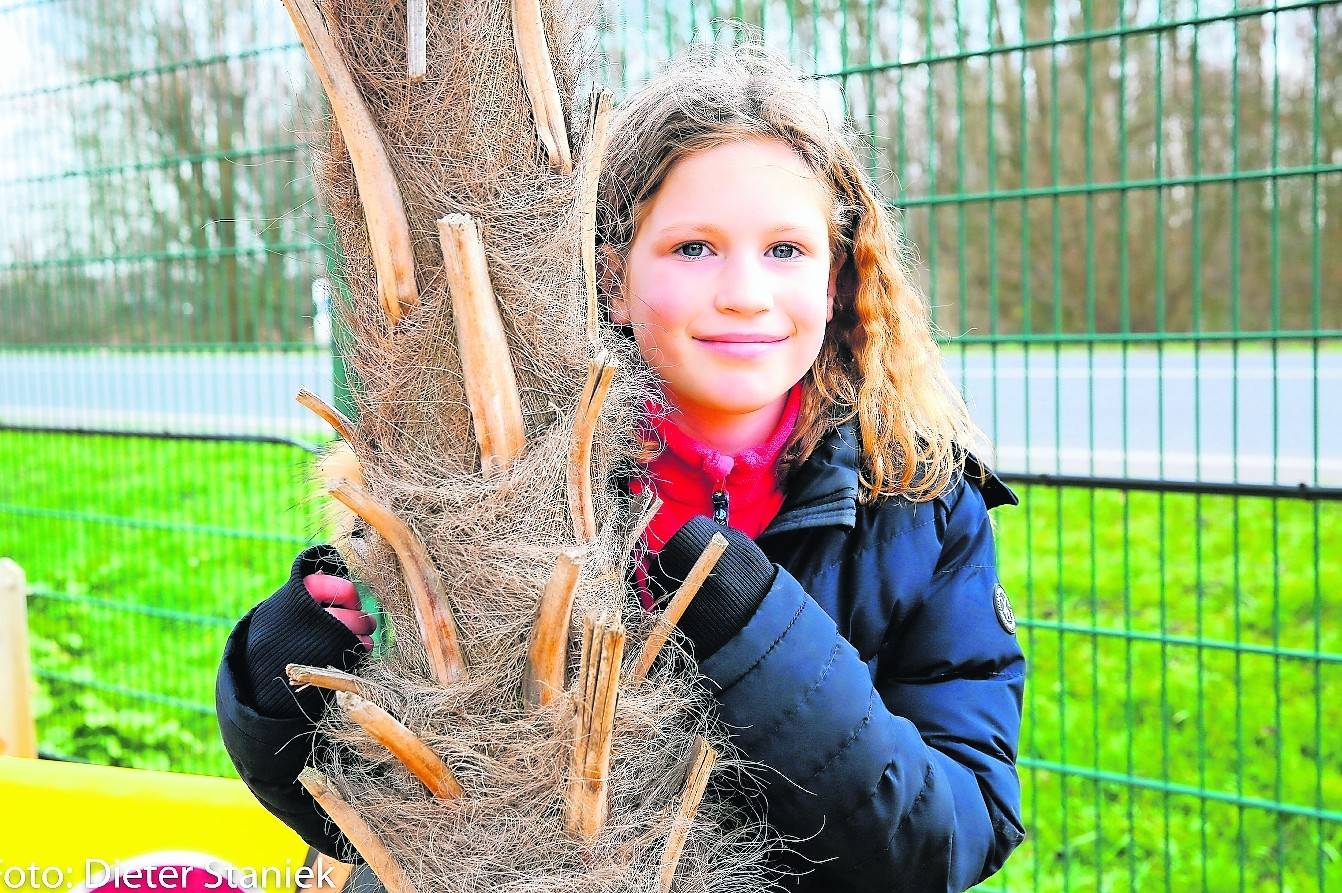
(72, 827)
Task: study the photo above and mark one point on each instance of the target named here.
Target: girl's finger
(357, 622)
(332, 590)
(367, 642)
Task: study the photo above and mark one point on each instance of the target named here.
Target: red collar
(744, 466)
(687, 472)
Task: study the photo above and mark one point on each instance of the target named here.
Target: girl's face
(729, 283)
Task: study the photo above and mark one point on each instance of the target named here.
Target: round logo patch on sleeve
(1005, 616)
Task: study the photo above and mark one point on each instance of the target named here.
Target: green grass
(144, 553)
(1247, 715)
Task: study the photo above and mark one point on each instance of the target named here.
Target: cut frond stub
(646, 505)
(600, 371)
(696, 781)
(597, 692)
(538, 74)
(383, 207)
(416, 40)
(348, 820)
(437, 630)
(547, 657)
(338, 421)
(324, 677)
(403, 744)
(675, 609)
(599, 116)
(486, 363)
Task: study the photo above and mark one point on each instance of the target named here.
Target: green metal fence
(1122, 216)
(156, 276)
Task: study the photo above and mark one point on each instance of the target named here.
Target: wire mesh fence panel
(157, 277)
(1118, 212)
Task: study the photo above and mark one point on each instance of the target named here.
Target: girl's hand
(342, 601)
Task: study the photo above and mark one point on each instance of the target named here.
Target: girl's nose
(743, 287)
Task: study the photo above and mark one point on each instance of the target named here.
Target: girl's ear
(610, 272)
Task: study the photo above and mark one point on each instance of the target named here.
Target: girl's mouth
(743, 350)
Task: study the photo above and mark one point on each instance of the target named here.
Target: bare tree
(183, 122)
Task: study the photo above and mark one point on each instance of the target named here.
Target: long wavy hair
(879, 362)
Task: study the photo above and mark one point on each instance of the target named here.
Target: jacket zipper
(721, 503)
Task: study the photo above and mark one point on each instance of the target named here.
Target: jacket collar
(823, 491)
(825, 488)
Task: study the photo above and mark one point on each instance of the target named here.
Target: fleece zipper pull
(721, 503)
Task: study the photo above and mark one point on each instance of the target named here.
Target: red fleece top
(687, 472)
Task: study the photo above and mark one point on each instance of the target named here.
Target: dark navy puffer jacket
(882, 679)
(879, 678)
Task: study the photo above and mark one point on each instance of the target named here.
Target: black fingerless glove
(293, 627)
(731, 594)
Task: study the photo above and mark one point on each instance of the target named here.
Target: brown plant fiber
(462, 140)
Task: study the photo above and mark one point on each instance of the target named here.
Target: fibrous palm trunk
(529, 727)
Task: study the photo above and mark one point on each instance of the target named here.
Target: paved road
(1211, 419)
(208, 392)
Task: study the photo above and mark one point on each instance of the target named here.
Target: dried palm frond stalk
(403, 744)
(600, 372)
(495, 415)
(380, 196)
(597, 691)
(487, 369)
(675, 609)
(433, 615)
(416, 52)
(533, 57)
(324, 677)
(696, 782)
(328, 413)
(362, 837)
(597, 121)
(547, 658)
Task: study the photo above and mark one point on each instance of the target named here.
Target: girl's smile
(742, 346)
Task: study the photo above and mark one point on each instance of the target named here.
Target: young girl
(854, 633)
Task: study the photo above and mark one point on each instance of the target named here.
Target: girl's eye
(699, 245)
(793, 248)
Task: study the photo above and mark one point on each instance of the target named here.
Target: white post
(18, 735)
(321, 311)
